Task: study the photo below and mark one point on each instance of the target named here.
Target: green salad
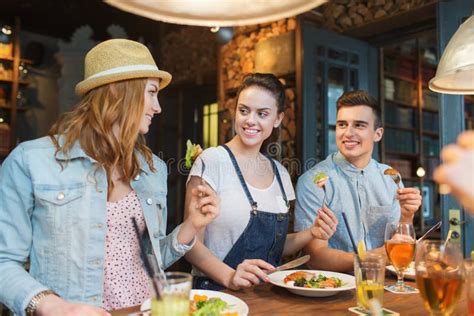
(319, 282)
(210, 307)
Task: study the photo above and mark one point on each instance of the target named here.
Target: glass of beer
(369, 271)
(174, 299)
(400, 247)
(439, 275)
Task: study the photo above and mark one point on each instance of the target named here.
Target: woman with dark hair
(68, 201)
(250, 236)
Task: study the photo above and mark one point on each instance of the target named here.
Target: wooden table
(272, 300)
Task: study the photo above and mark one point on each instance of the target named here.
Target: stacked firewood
(238, 56)
(340, 15)
(190, 55)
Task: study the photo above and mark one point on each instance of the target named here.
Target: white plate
(410, 273)
(348, 281)
(235, 303)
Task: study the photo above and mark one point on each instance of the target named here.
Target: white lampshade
(216, 12)
(455, 73)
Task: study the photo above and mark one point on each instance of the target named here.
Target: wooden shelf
(26, 61)
(397, 55)
(430, 110)
(402, 154)
(430, 133)
(409, 129)
(399, 77)
(6, 58)
(11, 59)
(401, 103)
(20, 109)
(14, 83)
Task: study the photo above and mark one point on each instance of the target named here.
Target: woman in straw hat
(67, 200)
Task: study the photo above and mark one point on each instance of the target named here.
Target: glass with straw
(369, 271)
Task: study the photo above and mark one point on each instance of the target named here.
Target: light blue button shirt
(57, 217)
(367, 196)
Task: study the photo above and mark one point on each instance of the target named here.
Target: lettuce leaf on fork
(192, 152)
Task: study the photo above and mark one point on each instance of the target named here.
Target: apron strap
(244, 185)
(280, 183)
(241, 178)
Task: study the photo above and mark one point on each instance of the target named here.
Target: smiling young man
(356, 185)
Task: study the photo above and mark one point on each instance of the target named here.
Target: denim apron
(263, 237)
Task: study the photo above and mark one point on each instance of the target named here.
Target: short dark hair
(360, 97)
(267, 82)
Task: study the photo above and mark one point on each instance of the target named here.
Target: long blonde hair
(91, 123)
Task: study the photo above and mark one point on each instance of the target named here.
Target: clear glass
(174, 300)
(369, 272)
(439, 275)
(469, 266)
(400, 247)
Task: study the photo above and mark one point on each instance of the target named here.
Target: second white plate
(348, 281)
(235, 303)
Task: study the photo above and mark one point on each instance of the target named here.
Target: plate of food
(409, 274)
(211, 303)
(313, 283)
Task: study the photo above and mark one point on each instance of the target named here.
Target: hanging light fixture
(213, 13)
(455, 73)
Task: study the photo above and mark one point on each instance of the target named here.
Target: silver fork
(324, 198)
(203, 167)
(396, 178)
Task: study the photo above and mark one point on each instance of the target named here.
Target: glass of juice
(400, 247)
(369, 271)
(469, 266)
(174, 298)
(439, 275)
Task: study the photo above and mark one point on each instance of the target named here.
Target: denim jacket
(57, 217)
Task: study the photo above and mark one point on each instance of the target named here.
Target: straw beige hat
(119, 59)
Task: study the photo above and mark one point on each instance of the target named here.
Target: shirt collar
(76, 151)
(349, 168)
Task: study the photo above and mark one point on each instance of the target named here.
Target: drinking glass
(174, 300)
(439, 275)
(369, 271)
(400, 247)
(469, 266)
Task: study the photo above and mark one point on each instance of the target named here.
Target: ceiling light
(455, 73)
(7, 30)
(420, 172)
(216, 13)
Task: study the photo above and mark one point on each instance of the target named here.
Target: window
(210, 125)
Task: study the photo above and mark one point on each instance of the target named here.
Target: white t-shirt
(221, 234)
